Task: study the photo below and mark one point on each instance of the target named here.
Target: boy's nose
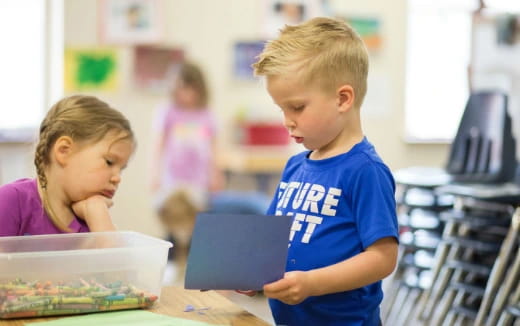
(288, 123)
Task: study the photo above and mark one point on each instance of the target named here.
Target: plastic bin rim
(158, 242)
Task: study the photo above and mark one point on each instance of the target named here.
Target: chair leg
(441, 255)
(450, 319)
(397, 306)
(499, 267)
(439, 315)
(438, 288)
(413, 318)
(505, 319)
(407, 311)
(389, 300)
(508, 286)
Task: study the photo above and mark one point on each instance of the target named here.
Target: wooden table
(173, 301)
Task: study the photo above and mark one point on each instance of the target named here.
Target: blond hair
(84, 119)
(322, 51)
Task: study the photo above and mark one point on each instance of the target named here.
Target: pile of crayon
(32, 299)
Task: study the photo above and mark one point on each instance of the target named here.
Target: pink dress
(186, 161)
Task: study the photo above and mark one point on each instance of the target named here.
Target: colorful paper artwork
(131, 22)
(91, 70)
(369, 29)
(154, 66)
(245, 54)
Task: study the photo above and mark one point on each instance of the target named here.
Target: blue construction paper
(237, 251)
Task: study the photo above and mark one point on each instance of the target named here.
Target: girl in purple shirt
(83, 146)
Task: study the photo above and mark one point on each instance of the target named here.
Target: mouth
(298, 140)
(108, 193)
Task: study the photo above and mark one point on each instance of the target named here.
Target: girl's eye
(298, 108)
(109, 162)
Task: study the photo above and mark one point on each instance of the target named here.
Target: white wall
(207, 30)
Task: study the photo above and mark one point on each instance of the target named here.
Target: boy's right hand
(94, 210)
(249, 293)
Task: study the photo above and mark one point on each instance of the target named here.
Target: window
(438, 51)
(31, 64)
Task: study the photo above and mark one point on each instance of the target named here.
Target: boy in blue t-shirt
(343, 239)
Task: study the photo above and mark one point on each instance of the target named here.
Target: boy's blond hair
(322, 51)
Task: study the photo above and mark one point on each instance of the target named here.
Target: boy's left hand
(292, 289)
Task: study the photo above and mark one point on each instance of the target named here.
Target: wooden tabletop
(254, 159)
(173, 302)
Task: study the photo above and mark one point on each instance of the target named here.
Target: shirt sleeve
(79, 226)
(373, 202)
(10, 219)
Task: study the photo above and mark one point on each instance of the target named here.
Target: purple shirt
(22, 213)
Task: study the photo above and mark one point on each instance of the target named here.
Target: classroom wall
(207, 29)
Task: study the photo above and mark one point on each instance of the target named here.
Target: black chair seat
(421, 259)
(469, 267)
(420, 240)
(422, 177)
(471, 288)
(420, 219)
(465, 311)
(475, 220)
(421, 280)
(477, 245)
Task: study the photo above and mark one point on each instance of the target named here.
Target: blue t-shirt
(341, 206)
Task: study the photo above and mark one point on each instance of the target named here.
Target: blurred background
(426, 57)
(123, 51)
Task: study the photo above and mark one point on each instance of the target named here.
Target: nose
(116, 177)
(288, 122)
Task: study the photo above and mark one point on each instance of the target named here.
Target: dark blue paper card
(237, 252)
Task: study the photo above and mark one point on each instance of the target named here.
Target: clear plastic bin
(76, 273)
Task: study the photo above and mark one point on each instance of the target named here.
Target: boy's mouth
(298, 140)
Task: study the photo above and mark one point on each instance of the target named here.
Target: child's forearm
(375, 263)
(101, 222)
(95, 211)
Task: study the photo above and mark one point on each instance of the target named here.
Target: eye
(298, 108)
(109, 162)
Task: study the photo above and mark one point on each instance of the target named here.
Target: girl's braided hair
(84, 119)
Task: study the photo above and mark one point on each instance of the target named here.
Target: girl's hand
(94, 210)
(292, 289)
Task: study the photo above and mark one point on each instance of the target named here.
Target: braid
(82, 118)
(40, 159)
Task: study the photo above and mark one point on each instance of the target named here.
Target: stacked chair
(471, 277)
(418, 207)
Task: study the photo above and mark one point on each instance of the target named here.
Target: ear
(345, 97)
(62, 149)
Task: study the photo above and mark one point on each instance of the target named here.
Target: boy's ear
(346, 96)
(62, 149)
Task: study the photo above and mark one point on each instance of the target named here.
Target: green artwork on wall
(90, 69)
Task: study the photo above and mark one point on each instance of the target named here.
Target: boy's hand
(249, 293)
(292, 289)
(94, 210)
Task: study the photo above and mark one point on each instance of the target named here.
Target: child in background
(343, 239)
(83, 146)
(185, 151)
